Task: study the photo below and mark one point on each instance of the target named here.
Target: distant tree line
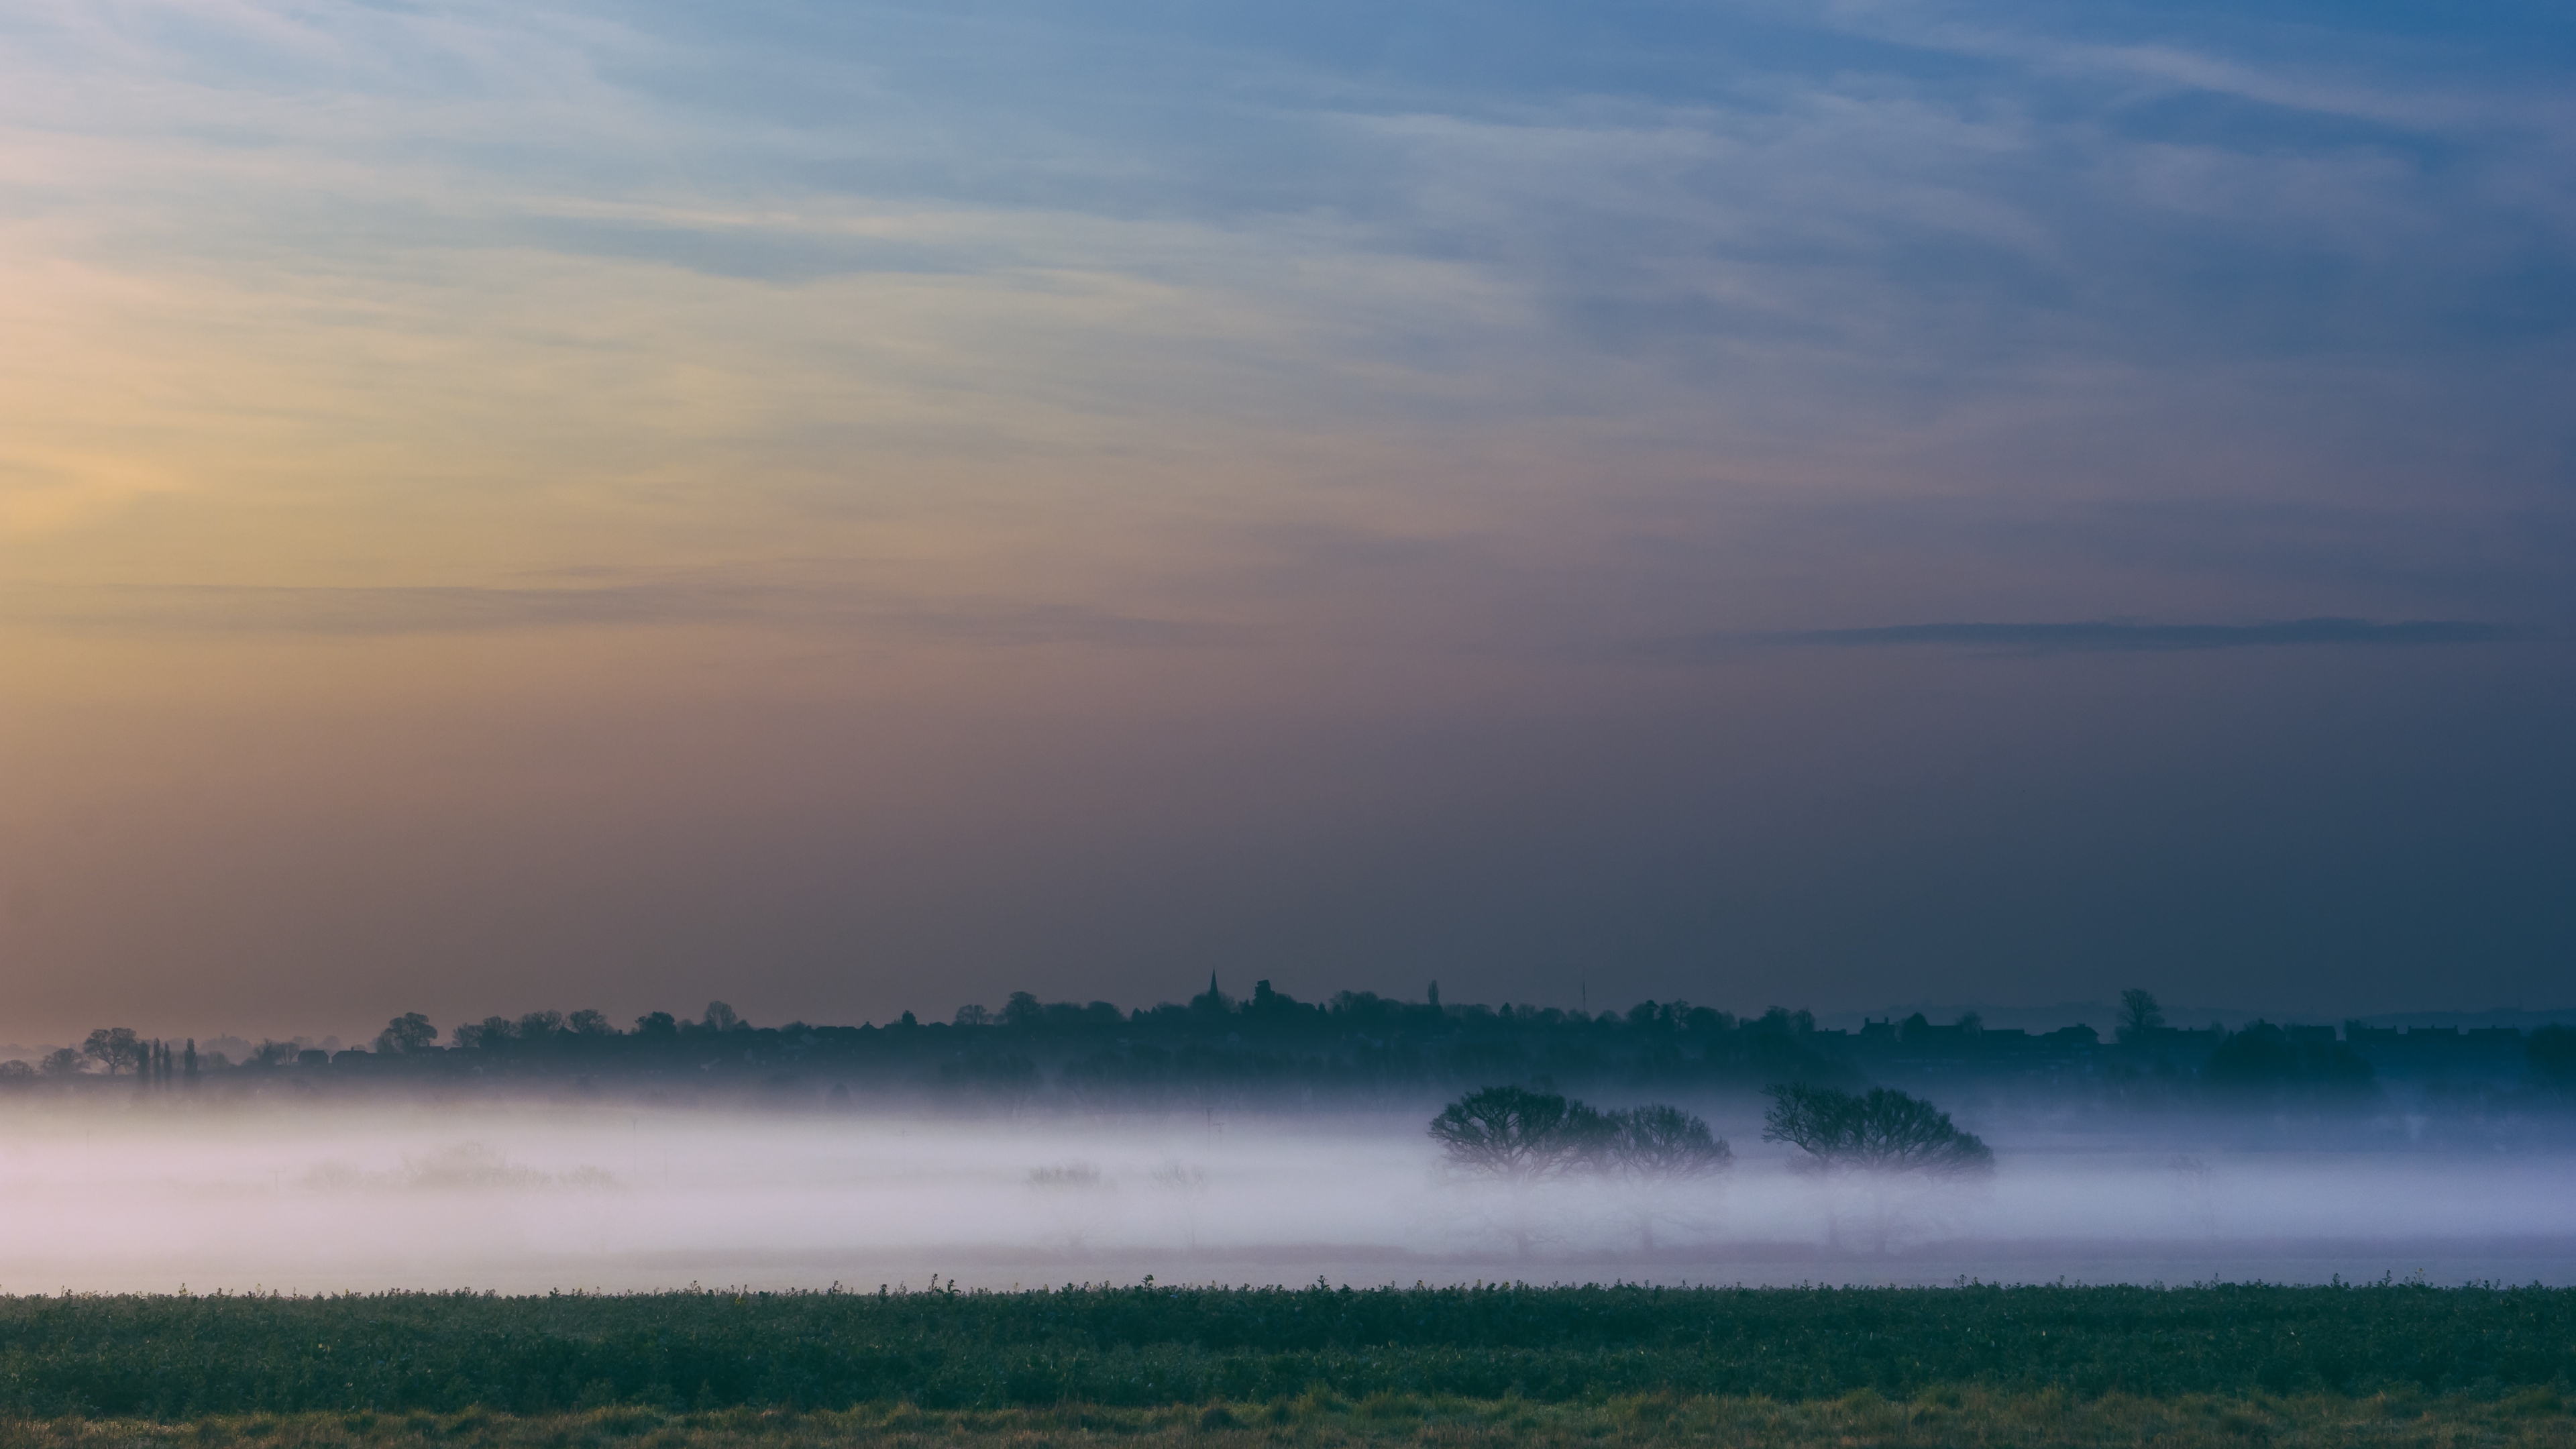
(1270, 1050)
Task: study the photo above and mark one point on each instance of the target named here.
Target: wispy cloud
(399, 610)
(2117, 637)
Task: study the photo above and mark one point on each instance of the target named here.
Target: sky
(852, 507)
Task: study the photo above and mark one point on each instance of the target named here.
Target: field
(1941, 1419)
(1146, 1350)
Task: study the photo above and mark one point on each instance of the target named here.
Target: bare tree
(1519, 1136)
(1888, 1147)
(62, 1062)
(2139, 1014)
(1881, 1131)
(589, 1022)
(721, 1017)
(1658, 1144)
(1654, 1152)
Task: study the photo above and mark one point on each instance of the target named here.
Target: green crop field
(169, 1359)
(1941, 1419)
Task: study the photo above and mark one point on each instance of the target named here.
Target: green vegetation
(168, 1358)
(1948, 1419)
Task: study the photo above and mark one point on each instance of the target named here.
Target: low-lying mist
(317, 1198)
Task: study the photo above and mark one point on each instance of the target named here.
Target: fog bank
(536, 1198)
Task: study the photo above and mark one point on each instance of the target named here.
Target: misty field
(1145, 1348)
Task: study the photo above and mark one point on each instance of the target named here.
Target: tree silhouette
(1519, 1136)
(2139, 1014)
(409, 1032)
(1884, 1143)
(114, 1047)
(1882, 1131)
(1657, 1144)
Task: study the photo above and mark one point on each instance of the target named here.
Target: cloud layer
(2125, 637)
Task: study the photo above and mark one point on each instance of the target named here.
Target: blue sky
(1456, 411)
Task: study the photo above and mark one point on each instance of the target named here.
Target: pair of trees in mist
(1885, 1145)
(1521, 1137)
(1516, 1135)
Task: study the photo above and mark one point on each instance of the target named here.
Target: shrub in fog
(1078, 1175)
(1879, 1131)
(468, 1165)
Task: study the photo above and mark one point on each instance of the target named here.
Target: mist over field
(1948, 623)
(534, 1197)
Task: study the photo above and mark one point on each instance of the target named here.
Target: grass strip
(1938, 1419)
(175, 1358)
